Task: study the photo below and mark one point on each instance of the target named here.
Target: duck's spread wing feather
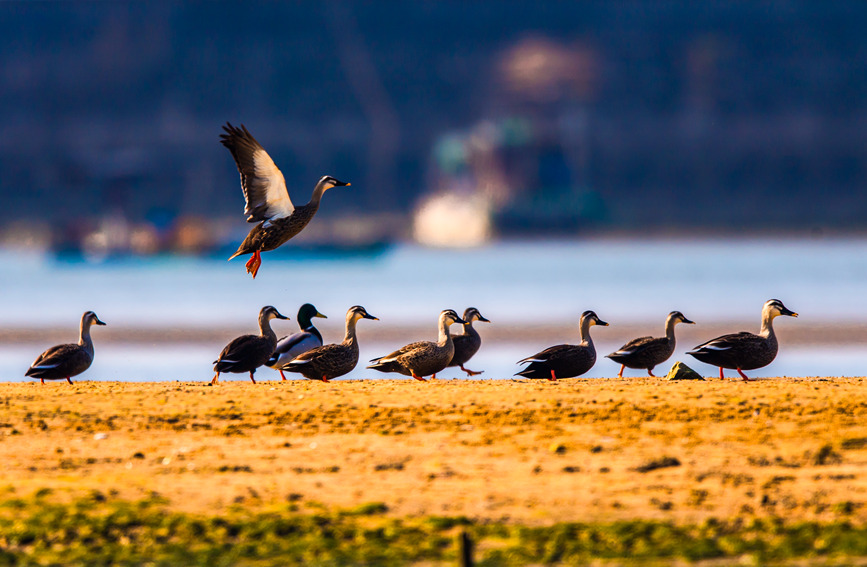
(263, 183)
(725, 342)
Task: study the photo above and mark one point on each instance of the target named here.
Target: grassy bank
(100, 530)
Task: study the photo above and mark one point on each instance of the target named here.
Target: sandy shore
(515, 451)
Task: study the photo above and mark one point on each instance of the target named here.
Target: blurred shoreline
(824, 333)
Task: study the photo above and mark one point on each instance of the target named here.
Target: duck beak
(601, 323)
(98, 322)
(320, 315)
(688, 322)
(789, 313)
(482, 318)
(369, 316)
(278, 315)
(460, 321)
(341, 183)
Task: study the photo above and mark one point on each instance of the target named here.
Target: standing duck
(647, 352)
(249, 352)
(66, 361)
(745, 351)
(330, 361)
(268, 201)
(423, 358)
(565, 361)
(468, 344)
(293, 345)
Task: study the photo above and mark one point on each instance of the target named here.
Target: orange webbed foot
(253, 263)
(471, 372)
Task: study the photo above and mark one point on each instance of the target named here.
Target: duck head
(677, 317)
(307, 312)
(270, 312)
(449, 317)
(326, 182)
(592, 319)
(472, 314)
(774, 308)
(90, 318)
(357, 312)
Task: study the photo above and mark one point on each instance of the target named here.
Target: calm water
(624, 281)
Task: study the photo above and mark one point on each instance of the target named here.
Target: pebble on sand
(681, 371)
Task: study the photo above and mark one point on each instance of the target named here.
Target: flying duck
(248, 352)
(745, 351)
(647, 352)
(330, 361)
(268, 201)
(565, 361)
(467, 344)
(66, 361)
(423, 358)
(293, 345)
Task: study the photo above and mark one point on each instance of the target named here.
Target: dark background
(616, 116)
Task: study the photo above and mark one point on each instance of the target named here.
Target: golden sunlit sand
(529, 452)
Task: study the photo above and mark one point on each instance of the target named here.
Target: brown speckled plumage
(332, 360)
(422, 358)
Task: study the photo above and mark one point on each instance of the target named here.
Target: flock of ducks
(305, 353)
(267, 203)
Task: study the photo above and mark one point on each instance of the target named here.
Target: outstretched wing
(262, 182)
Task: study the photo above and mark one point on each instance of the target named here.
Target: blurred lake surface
(512, 283)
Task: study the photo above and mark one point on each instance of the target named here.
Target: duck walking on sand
(423, 358)
(66, 361)
(307, 338)
(468, 344)
(248, 352)
(268, 201)
(565, 361)
(330, 361)
(745, 351)
(647, 352)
